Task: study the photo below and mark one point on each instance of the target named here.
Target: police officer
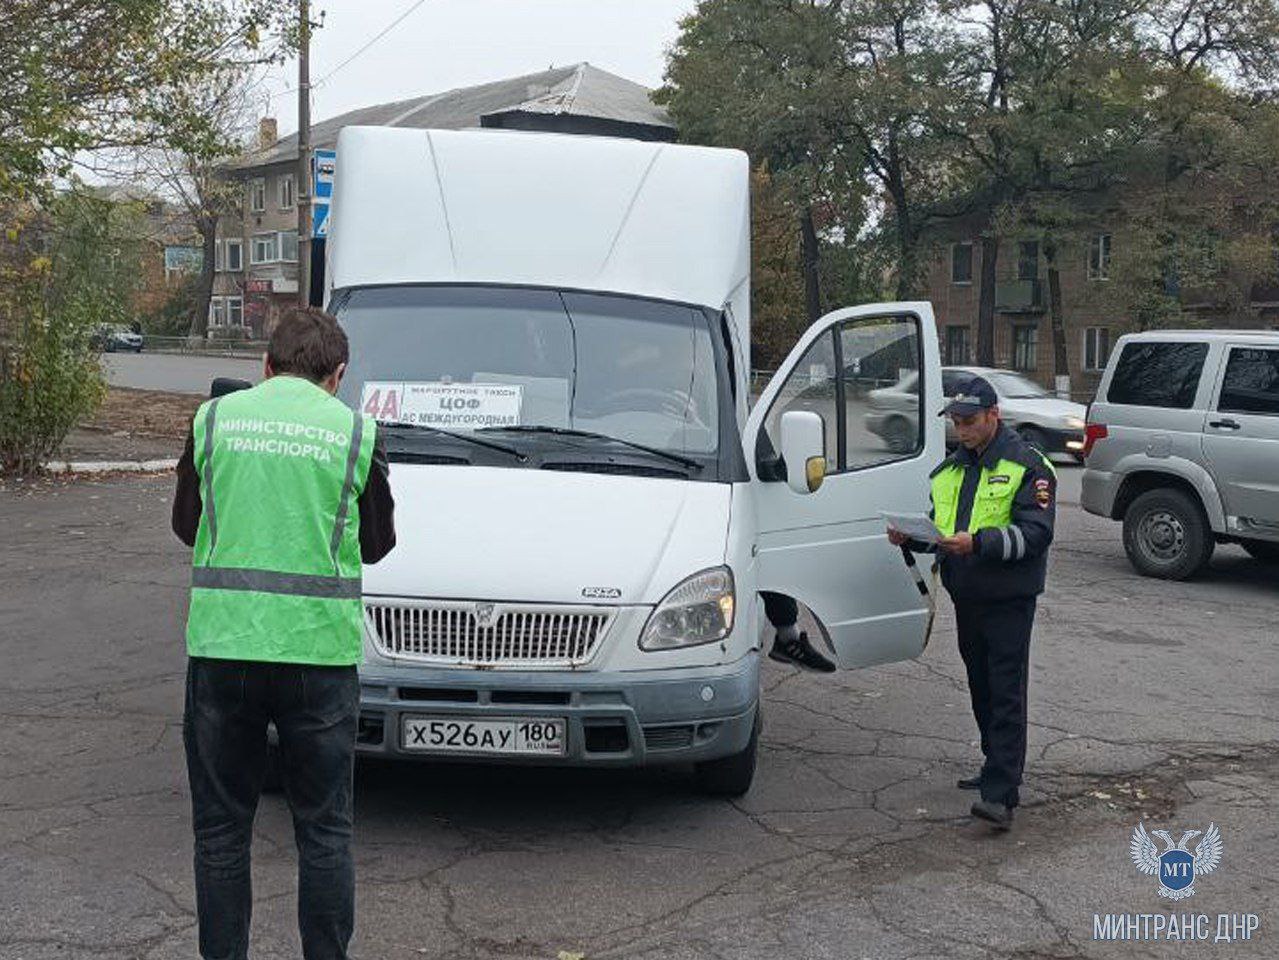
(994, 501)
(283, 492)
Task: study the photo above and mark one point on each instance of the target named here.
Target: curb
(111, 466)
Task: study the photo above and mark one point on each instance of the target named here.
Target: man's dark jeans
(315, 710)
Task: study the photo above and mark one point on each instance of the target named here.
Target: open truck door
(848, 428)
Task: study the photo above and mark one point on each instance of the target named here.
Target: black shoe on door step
(801, 653)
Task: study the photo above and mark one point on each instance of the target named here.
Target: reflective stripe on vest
(276, 568)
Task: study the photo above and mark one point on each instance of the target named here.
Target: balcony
(1019, 296)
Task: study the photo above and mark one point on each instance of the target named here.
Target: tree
(85, 75)
(747, 74)
(72, 271)
(193, 176)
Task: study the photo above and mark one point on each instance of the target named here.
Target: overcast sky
(444, 44)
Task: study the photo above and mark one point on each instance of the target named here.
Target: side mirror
(804, 450)
(221, 386)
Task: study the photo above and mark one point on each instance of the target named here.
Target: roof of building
(580, 91)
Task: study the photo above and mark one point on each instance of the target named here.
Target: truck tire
(729, 776)
(1265, 550)
(1166, 535)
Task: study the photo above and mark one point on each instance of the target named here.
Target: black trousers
(315, 711)
(994, 641)
(781, 610)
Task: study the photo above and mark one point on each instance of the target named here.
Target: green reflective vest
(276, 568)
(992, 501)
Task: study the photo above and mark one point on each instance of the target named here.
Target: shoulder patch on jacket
(1043, 492)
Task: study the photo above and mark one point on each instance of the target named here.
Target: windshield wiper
(467, 438)
(688, 462)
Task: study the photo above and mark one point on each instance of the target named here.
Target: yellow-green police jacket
(1007, 498)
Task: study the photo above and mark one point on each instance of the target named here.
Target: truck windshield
(505, 361)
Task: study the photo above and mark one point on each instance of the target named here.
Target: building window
(234, 255)
(1025, 347)
(217, 312)
(257, 195)
(265, 248)
(285, 189)
(218, 263)
(961, 263)
(235, 311)
(1028, 260)
(1099, 257)
(956, 345)
(288, 245)
(1096, 347)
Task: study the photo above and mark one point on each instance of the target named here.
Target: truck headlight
(698, 610)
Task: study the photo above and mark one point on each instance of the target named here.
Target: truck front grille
(485, 635)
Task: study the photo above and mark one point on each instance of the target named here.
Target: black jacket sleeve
(377, 509)
(1034, 514)
(186, 498)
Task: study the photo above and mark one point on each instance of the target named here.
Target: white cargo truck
(554, 335)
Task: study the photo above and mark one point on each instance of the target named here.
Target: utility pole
(304, 153)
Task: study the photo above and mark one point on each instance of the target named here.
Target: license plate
(515, 736)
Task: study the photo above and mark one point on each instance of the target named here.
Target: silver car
(1046, 422)
(1183, 447)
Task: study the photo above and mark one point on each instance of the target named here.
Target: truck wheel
(1166, 535)
(1264, 550)
(729, 776)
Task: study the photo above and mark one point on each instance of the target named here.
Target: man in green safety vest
(994, 502)
(283, 493)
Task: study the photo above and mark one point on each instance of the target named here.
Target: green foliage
(72, 268)
(173, 317)
(901, 121)
(85, 74)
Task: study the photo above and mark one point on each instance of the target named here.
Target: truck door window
(883, 402)
(811, 386)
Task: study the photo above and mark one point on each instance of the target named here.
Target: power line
(391, 26)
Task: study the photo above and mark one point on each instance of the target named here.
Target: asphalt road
(1147, 698)
(178, 373)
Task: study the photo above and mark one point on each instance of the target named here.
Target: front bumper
(617, 719)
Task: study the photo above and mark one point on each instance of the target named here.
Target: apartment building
(1093, 318)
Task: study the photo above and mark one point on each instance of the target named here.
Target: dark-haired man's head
(307, 342)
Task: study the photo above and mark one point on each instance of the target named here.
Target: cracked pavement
(1147, 699)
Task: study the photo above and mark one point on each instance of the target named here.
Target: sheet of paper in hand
(449, 406)
(917, 526)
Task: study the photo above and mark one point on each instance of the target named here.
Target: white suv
(1182, 445)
